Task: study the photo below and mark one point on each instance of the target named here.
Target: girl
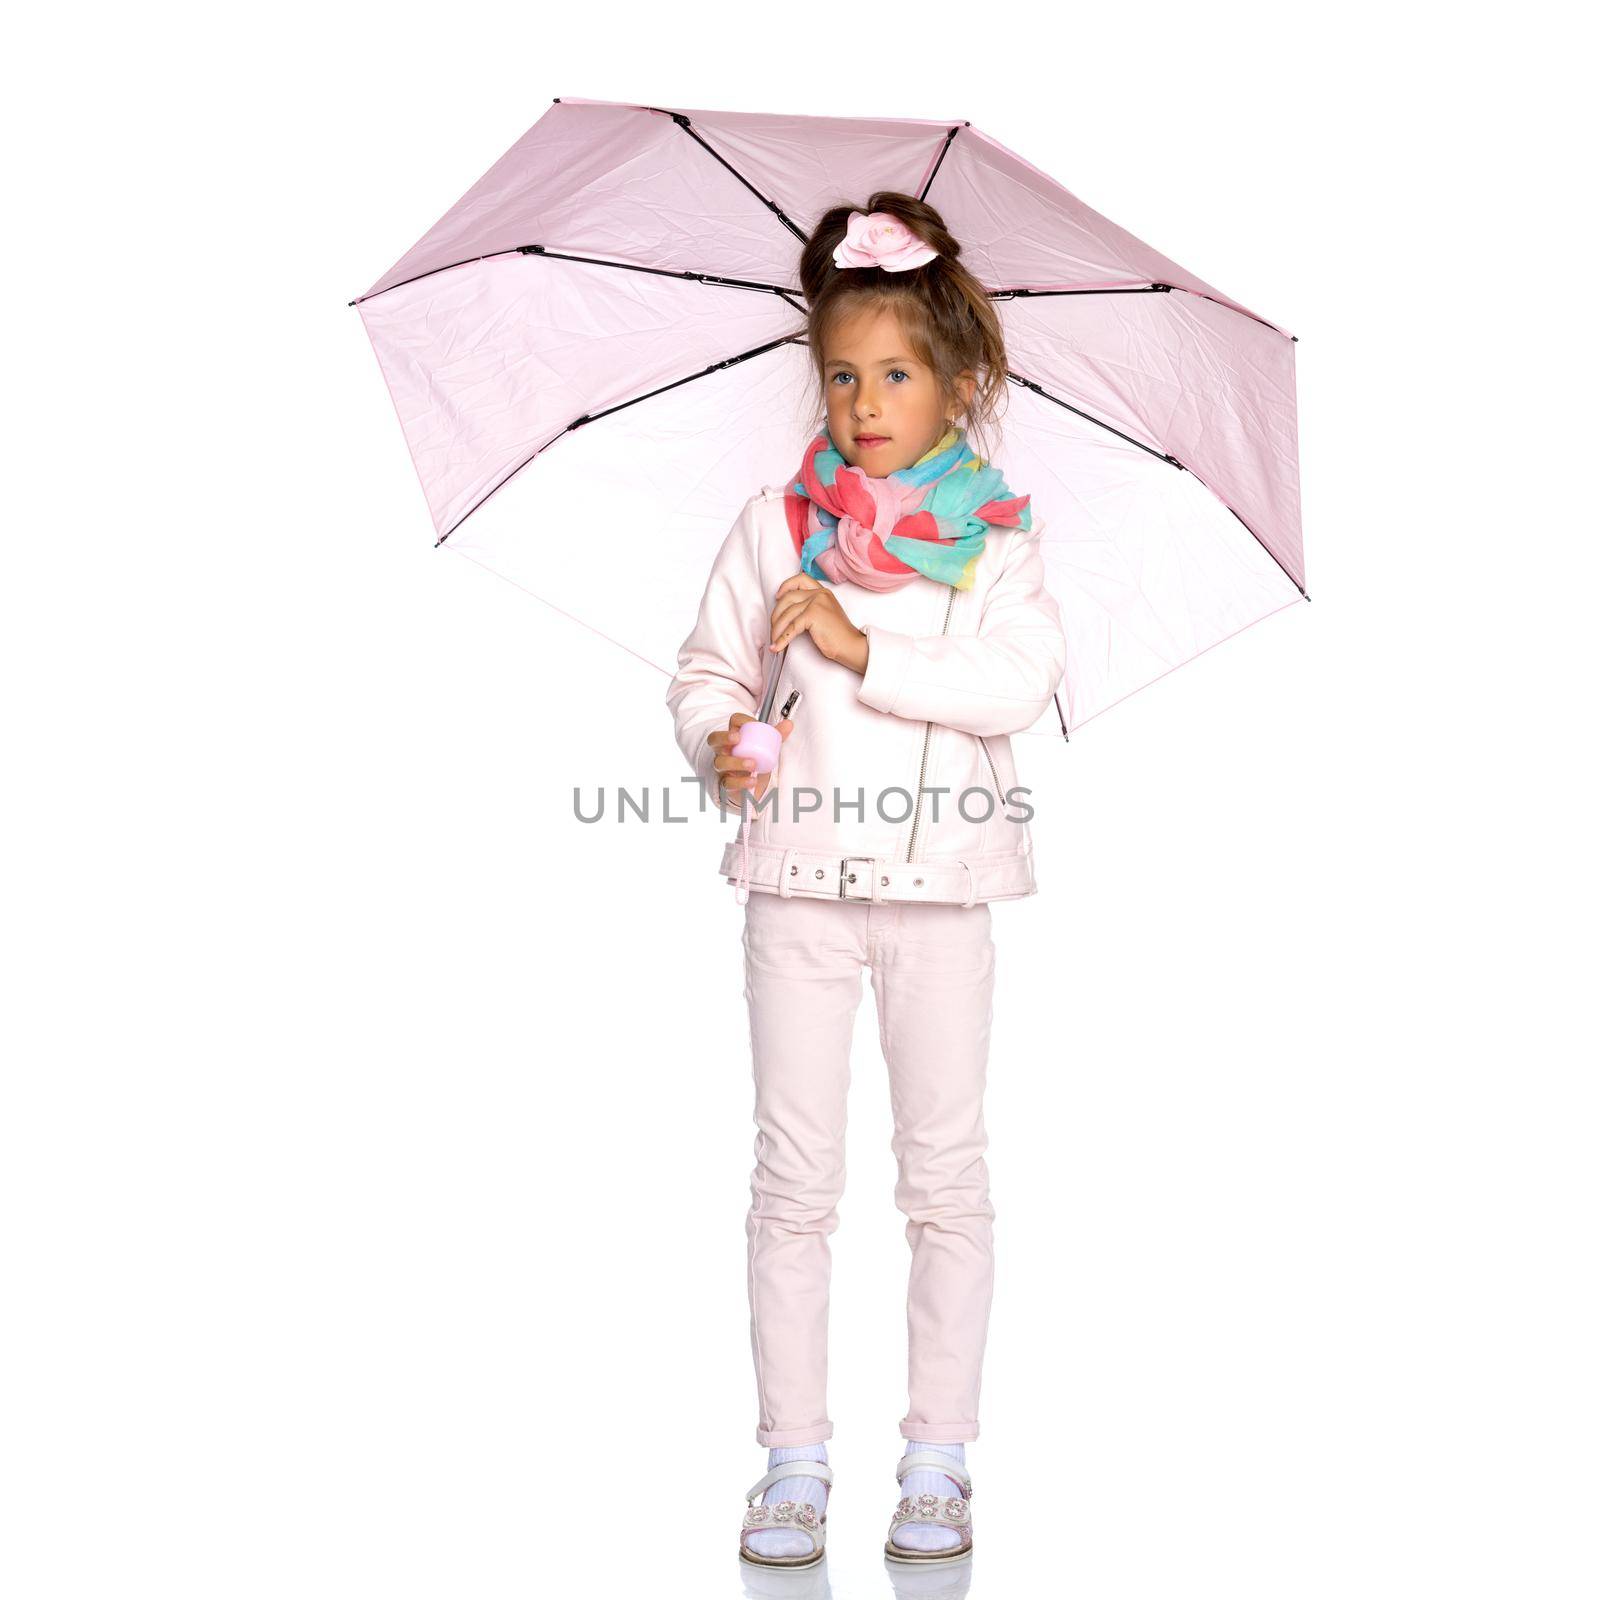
(923, 636)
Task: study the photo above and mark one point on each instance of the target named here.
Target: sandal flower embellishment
(800, 1512)
(929, 1507)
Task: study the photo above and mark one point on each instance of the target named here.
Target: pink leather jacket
(895, 785)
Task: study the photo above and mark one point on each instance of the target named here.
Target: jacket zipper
(927, 739)
(992, 767)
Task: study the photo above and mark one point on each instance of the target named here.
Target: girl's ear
(966, 385)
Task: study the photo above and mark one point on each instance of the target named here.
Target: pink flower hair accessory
(875, 239)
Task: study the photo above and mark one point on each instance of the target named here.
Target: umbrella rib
(1152, 288)
(1142, 288)
(596, 261)
(1174, 667)
(1039, 389)
(449, 266)
(1160, 455)
(1041, 294)
(1254, 535)
(667, 272)
(944, 150)
(594, 416)
(1243, 524)
(771, 205)
(684, 123)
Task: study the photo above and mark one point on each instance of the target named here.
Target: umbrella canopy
(623, 280)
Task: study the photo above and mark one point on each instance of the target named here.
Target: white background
(376, 1139)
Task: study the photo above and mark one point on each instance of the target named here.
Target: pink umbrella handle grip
(761, 742)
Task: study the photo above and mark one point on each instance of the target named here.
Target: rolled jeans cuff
(788, 1438)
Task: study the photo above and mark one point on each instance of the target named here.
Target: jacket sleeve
(721, 665)
(995, 681)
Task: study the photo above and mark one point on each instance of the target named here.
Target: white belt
(878, 879)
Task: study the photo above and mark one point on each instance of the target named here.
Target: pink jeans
(933, 980)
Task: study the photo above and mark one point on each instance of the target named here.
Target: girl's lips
(867, 440)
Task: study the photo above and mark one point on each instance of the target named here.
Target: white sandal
(797, 1515)
(932, 1510)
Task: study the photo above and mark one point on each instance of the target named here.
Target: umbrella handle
(760, 741)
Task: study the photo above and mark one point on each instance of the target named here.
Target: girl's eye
(901, 370)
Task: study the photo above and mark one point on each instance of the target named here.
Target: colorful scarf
(930, 518)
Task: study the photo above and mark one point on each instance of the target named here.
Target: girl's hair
(946, 313)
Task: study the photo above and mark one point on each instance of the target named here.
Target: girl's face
(884, 407)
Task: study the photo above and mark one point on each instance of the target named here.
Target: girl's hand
(806, 606)
(734, 772)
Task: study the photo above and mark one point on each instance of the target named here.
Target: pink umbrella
(622, 280)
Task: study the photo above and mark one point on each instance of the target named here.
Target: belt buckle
(869, 860)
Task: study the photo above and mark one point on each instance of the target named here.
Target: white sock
(911, 1536)
(787, 1541)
